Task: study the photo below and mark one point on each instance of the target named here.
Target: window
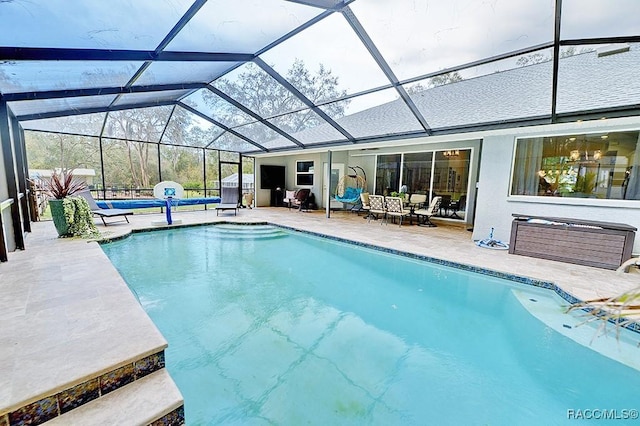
(304, 173)
(597, 165)
(451, 173)
(388, 174)
(416, 174)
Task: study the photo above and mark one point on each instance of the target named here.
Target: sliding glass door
(416, 173)
(442, 173)
(388, 174)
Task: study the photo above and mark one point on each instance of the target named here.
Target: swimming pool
(277, 327)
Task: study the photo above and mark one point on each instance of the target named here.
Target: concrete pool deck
(67, 319)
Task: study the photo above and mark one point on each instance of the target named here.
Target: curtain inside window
(528, 162)
(632, 183)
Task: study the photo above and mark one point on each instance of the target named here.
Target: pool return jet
(170, 192)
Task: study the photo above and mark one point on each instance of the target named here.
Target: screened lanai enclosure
(143, 91)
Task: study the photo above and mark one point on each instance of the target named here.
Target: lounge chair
(93, 206)
(424, 215)
(227, 206)
(229, 201)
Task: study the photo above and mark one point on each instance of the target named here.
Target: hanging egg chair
(351, 186)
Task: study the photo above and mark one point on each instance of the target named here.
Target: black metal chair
(458, 205)
(444, 205)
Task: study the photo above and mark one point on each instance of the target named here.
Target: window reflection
(416, 174)
(388, 174)
(441, 173)
(599, 165)
(451, 173)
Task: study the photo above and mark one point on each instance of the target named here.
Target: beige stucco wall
(492, 162)
(495, 207)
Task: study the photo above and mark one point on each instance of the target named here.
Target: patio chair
(424, 215)
(395, 208)
(288, 198)
(377, 207)
(416, 201)
(365, 204)
(444, 205)
(302, 199)
(93, 206)
(458, 205)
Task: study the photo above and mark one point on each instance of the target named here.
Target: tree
(438, 80)
(442, 79)
(534, 58)
(538, 57)
(53, 150)
(145, 124)
(257, 91)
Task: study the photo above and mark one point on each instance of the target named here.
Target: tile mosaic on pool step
(174, 418)
(78, 395)
(117, 378)
(36, 413)
(65, 401)
(149, 364)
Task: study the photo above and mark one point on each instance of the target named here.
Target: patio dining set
(389, 207)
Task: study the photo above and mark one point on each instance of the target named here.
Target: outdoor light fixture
(574, 155)
(597, 154)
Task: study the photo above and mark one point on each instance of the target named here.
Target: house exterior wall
(263, 196)
(365, 157)
(495, 206)
(492, 162)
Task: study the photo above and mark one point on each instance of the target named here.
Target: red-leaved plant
(63, 184)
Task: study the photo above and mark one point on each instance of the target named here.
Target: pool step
(246, 231)
(141, 402)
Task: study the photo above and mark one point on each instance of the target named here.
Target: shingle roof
(586, 81)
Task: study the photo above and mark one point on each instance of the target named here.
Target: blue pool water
(271, 327)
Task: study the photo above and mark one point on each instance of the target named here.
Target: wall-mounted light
(574, 155)
(597, 154)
